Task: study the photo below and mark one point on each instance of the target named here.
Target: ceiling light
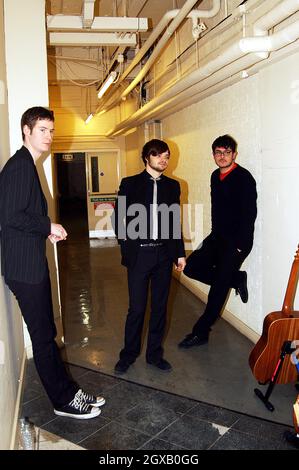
(107, 84)
(89, 118)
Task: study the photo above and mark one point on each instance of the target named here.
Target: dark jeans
(217, 264)
(35, 302)
(152, 265)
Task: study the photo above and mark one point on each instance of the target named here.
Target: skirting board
(14, 432)
(226, 315)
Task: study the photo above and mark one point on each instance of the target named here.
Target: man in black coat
(147, 224)
(25, 227)
(217, 261)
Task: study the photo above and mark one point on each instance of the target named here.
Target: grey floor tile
(96, 383)
(40, 411)
(32, 380)
(114, 436)
(191, 433)
(173, 402)
(31, 393)
(31, 370)
(75, 430)
(158, 444)
(235, 440)
(260, 428)
(124, 397)
(148, 417)
(214, 414)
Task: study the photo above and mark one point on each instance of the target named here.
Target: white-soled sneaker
(78, 409)
(90, 399)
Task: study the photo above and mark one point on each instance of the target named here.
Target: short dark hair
(154, 147)
(225, 141)
(32, 115)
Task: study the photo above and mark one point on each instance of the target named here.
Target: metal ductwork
(239, 55)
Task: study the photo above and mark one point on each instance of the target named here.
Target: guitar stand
(286, 349)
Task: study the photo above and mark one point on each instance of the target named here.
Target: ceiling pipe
(212, 85)
(275, 16)
(260, 27)
(99, 23)
(88, 13)
(185, 86)
(179, 16)
(91, 39)
(168, 16)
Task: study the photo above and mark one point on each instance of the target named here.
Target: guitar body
(278, 328)
(264, 356)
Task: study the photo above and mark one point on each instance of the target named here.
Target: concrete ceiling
(151, 9)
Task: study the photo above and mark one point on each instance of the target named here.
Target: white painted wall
(26, 60)
(262, 113)
(192, 131)
(279, 109)
(11, 335)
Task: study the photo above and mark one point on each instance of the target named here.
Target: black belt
(151, 245)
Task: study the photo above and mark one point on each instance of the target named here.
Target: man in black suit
(217, 262)
(150, 242)
(25, 227)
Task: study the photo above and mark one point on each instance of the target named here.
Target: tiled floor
(199, 405)
(139, 417)
(94, 298)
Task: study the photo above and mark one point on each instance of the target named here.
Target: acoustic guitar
(278, 327)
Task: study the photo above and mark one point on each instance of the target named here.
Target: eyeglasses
(225, 153)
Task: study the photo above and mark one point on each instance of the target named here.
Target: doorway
(103, 176)
(71, 192)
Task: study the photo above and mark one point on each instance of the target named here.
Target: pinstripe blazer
(25, 225)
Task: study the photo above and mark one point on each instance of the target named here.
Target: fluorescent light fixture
(107, 84)
(89, 118)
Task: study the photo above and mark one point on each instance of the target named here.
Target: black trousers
(35, 302)
(217, 264)
(154, 266)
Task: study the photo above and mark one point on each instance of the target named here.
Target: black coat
(134, 188)
(25, 225)
(234, 208)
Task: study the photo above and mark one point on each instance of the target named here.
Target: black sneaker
(121, 366)
(161, 364)
(91, 399)
(193, 340)
(78, 409)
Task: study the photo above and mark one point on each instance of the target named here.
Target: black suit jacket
(134, 189)
(25, 225)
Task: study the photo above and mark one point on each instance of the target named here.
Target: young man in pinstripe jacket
(25, 227)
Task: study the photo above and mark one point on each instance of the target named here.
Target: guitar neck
(288, 303)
